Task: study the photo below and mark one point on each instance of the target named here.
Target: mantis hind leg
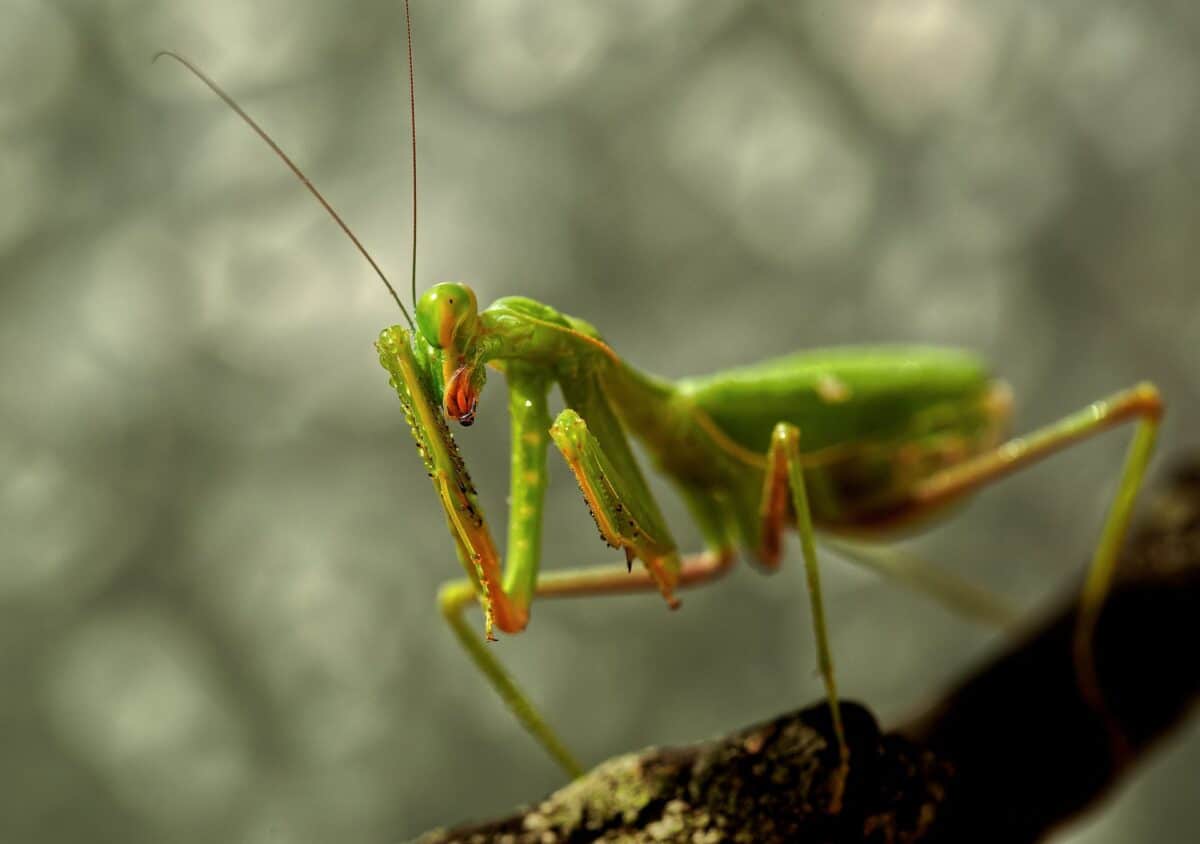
(456, 596)
(784, 484)
(1141, 404)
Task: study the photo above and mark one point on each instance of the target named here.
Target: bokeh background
(219, 551)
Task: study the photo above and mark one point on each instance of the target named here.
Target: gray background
(219, 549)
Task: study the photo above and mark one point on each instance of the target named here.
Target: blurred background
(220, 551)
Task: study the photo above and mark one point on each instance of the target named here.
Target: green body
(873, 421)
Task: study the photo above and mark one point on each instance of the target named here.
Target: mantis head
(448, 319)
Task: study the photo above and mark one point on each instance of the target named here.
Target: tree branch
(1007, 756)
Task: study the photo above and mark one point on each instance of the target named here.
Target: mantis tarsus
(852, 441)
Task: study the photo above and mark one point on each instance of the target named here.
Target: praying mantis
(858, 442)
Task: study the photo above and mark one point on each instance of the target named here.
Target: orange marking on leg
(775, 508)
(694, 570)
(665, 581)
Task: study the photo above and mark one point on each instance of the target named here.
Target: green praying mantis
(852, 441)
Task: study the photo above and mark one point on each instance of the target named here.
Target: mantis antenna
(229, 101)
(412, 122)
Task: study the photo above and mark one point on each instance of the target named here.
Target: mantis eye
(448, 316)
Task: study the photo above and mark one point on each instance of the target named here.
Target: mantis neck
(644, 402)
(522, 329)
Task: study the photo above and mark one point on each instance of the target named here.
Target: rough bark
(1007, 756)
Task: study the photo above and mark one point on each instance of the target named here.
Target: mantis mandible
(848, 441)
